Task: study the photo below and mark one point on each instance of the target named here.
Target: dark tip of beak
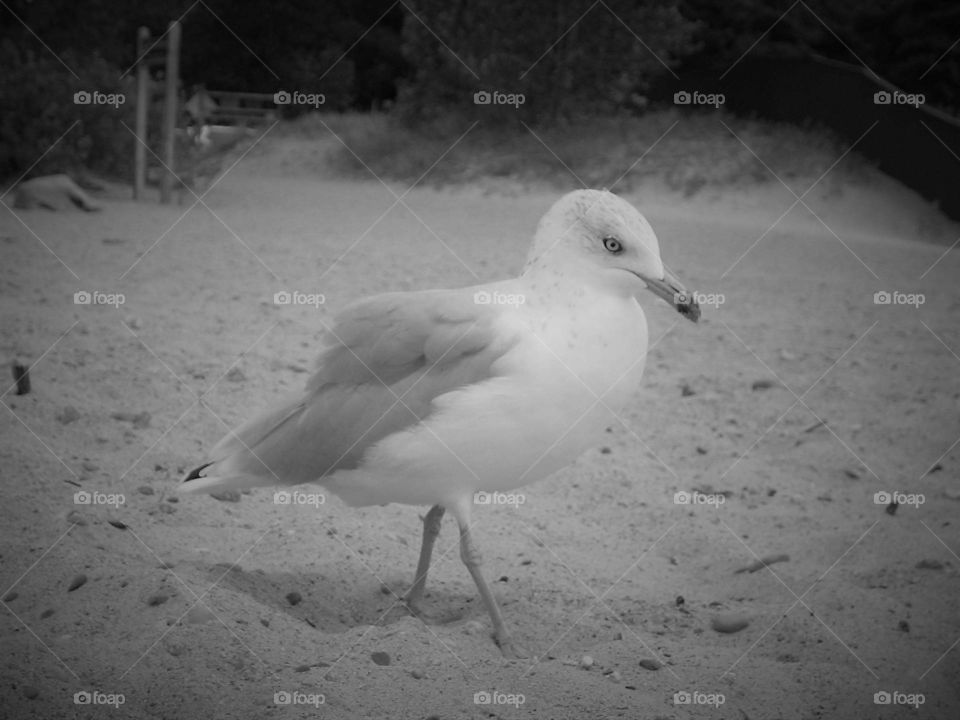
(690, 309)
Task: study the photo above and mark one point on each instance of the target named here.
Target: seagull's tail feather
(252, 455)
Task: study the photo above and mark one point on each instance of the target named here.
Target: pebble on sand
(762, 384)
(926, 564)
(30, 692)
(228, 495)
(648, 664)
(10, 596)
(198, 615)
(294, 597)
(140, 420)
(586, 662)
(729, 622)
(157, 599)
(380, 658)
(79, 580)
(68, 415)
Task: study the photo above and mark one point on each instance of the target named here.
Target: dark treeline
(568, 58)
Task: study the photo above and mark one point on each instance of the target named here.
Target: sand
(781, 415)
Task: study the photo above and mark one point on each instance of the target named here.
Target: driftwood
(53, 192)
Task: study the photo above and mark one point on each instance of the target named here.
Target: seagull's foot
(511, 650)
(413, 607)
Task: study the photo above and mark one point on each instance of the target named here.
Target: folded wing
(384, 361)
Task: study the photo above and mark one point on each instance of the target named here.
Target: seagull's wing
(385, 360)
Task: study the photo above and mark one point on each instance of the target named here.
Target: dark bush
(43, 127)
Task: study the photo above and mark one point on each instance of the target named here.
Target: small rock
(30, 692)
(68, 415)
(76, 517)
(680, 602)
(729, 623)
(228, 495)
(157, 599)
(929, 565)
(852, 474)
(264, 622)
(586, 662)
(133, 322)
(787, 355)
(616, 676)
(10, 596)
(46, 613)
(145, 490)
(302, 668)
(175, 649)
(903, 626)
(472, 627)
(762, 384)
(236, 375)
(118, 524)
(294, 597)
(198, 615)
(90, 466)
(167, 509)
(701, 450)
(140, 420)
(648, 664)
(380, 658)
(605, 450)
(78, 581)
(687, 391)
(417, 674)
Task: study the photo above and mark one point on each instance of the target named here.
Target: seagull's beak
(676, 295)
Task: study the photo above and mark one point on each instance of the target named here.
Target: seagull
(447, 398)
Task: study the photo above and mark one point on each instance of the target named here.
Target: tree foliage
(567, 58)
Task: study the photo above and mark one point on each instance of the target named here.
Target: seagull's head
(603, 238)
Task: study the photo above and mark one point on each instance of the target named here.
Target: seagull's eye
(612, 245)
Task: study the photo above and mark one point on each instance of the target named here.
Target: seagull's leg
(431, 528)
(472, 559)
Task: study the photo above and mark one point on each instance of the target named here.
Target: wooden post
(170, 107)
(143, 105)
